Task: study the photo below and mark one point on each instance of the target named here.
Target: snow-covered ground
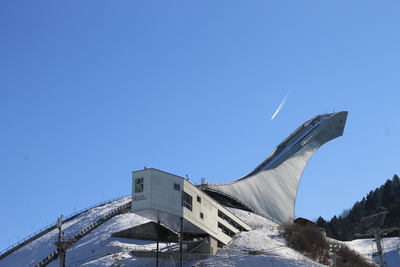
(98, 248)
(367, 246)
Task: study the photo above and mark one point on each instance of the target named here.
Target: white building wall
(209, 208)
(164, 197)
(154, 196)
(141, 199)
(158, 192)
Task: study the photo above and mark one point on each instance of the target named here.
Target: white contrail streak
(282, 103)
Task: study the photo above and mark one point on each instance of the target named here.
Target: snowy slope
(98, 248)
(367, 246)
(38, 249)
(265, 239)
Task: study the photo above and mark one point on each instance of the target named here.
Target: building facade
(173, 201)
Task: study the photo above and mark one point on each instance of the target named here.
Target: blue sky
(93, 90)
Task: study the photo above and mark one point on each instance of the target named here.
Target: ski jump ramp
(270, 189)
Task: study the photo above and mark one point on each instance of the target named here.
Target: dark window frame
(177, 187)
(187, 201)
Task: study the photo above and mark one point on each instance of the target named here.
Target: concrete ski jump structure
(270, 189)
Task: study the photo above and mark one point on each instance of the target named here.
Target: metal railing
(7, 251)
(205, 187)
(84, 232)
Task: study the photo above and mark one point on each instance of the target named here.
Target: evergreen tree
(332, 226)
(370, 202)
(348, 224)
(386, 195)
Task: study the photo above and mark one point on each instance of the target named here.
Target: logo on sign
(139, 185)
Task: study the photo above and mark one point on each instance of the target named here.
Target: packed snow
(262, 246)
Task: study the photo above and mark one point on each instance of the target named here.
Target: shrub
(305, 239)
(312, 243)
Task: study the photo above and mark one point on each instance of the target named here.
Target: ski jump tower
(270, 189)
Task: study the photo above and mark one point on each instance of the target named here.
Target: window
(225, 230)
(177, 187)
(201, 215)
(230, 221)
(198, 199)
(187, 201)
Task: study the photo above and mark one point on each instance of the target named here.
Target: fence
(49, 228)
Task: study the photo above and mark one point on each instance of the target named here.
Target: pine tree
(387, 196)
(370, 202)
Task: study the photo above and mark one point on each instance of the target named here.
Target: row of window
(230, 221)
(225, 230)
(187, 202)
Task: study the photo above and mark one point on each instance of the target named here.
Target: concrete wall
(158, 195)
(168, 255)
(209, 208)
(158, 192)
(271, 189)
(148, 231)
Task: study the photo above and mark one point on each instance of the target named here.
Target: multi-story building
(174, 202)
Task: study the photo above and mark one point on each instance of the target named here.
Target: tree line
(349, 223)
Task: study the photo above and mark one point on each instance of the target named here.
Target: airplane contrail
(283, 102)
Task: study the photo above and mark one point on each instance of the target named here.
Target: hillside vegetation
(348, 224)
(312, 243)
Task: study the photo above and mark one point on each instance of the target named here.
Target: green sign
(139, 185)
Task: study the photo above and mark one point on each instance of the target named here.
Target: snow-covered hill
(261, 246)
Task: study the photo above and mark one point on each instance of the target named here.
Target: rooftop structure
(270, 189)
